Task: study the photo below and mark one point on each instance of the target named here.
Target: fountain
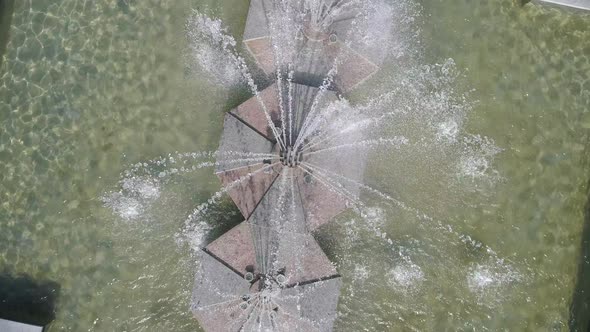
(480, 239)
(269, 273)
(273, 251)
(293, 157)
(247, 131)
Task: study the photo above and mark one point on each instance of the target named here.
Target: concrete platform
(277, 234)
(299, 254)
(247, 194)
(316, 50)
(225, 300)
(577, 4)
(10, 326)
(251, 112)
(239, 136)
(269, 272)
(246, 129)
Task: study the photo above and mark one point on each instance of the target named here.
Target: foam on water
(375, 216)
(405, 278)
(211, 61)
(126, 208)
(477, 159)
(360, 274)
(207, 41)
(447, 131)
(143, 188)
(194, 235)
(134, 198)
(491, 282)
(352, 233)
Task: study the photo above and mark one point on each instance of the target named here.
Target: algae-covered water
(89, 88)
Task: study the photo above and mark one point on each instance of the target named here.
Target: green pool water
(89, 88)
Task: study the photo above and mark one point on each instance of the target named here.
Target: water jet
(297, 287)
(325, 39)
(246, 130)
(269, 273)
(291, 157)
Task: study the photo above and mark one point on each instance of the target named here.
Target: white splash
(476, 162)
(131, 202)
(145, 189)
(405, 278)
(490, 282)
(375, 216)
(193, 235)
(447, 131)
(127, 208)
(352, 232)
(360, 274)
(207, 38)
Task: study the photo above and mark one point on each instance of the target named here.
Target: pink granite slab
(249, 192)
